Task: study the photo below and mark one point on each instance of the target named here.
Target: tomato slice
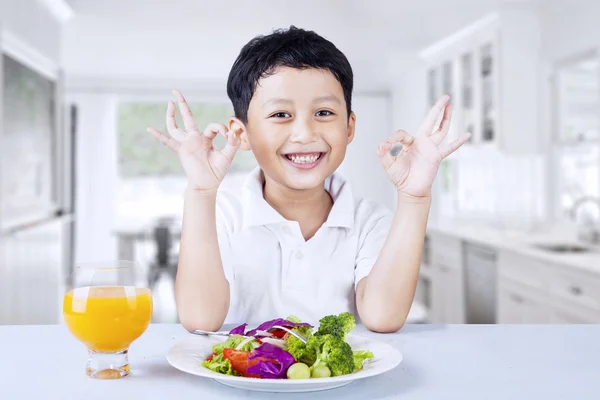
(209, 358)
(279, 333)
(240, 363)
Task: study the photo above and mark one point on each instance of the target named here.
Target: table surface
(440, 361)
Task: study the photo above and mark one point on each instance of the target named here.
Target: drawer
(519, 304)
(445, 250)
(577, 287)
(522, 269)
(574, 315)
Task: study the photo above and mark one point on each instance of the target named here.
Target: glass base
(107, 365)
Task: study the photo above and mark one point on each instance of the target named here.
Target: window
(151, 179)
(577, 137)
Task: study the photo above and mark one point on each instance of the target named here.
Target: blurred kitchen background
(514, 231)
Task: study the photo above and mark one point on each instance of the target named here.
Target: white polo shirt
(273, 272)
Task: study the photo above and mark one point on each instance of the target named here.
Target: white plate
(188, 355)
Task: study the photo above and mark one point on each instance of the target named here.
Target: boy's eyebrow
(330, 97)
(276, 100)
(322, 99)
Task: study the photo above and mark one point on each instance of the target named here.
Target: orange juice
(107, 318)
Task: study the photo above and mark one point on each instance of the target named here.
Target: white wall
(33, 24)
(570, 27)
(361, 165)
(408, 105)
(96, 177)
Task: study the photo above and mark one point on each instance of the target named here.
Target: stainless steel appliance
(36, 189)
(480, 284)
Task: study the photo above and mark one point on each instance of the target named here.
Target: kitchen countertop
(523, 242)
(440, 361)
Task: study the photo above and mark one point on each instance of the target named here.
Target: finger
(439, 135)
(214, 129)
(454, 145)
(401, 137)
(232, 145)
(385, 157)
(166, 140)
(429, 123)
(186, 113)
(172, 127)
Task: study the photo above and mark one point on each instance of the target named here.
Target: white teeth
(304, 159)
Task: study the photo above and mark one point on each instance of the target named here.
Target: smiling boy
(294, 240)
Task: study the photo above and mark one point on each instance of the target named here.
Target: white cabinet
(533, 292)
(491, 71)
(447, 288)
(451, 299)
(32, 275)
(518, 304)
(568, 314)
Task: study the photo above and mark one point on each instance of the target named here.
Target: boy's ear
(351, 126)
(239, 128)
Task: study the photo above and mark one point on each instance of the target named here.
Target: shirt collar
(257, 212)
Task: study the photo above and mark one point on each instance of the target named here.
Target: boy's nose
(303, 132)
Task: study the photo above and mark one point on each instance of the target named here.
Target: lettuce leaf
(220, 365)
(232, 342)
(359, 357)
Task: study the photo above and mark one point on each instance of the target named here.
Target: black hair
(294, 48)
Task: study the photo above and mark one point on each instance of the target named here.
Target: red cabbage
(279, 321)
(267, 369)
(238, 330)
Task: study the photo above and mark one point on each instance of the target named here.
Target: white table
(440, 361)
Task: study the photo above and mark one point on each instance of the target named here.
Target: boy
(295, 241)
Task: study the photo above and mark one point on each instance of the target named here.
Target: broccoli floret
(337, 325)
(300, 351)
(326, 347)
(305, 353)
(359, 357)
(333, 352)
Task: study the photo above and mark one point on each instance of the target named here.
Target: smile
(304, 160)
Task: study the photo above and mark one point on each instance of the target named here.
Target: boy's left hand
(413, 170)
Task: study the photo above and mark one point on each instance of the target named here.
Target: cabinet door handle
(576, 290)
(516, 298)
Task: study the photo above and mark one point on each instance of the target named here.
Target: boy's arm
(201, 289)
(384, 297)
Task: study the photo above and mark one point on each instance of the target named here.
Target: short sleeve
(227, 216)
(371, 239)
(223, 237)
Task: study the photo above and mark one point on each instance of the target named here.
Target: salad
(283, 356)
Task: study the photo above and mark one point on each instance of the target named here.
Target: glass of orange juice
(107, 307)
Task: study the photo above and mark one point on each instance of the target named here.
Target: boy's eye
(323, 113)
(280, 115)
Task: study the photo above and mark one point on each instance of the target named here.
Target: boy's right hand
(204, 165)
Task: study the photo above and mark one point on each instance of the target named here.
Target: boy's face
(298, 127)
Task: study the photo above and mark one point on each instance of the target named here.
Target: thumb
(231, 147)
